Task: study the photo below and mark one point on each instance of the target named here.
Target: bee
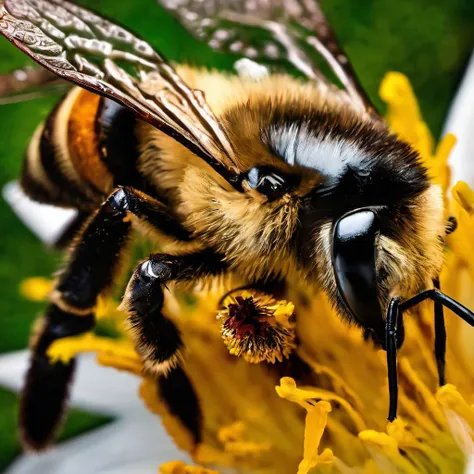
(283, 182)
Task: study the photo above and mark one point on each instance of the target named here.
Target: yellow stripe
(60, 136)
(33, 159)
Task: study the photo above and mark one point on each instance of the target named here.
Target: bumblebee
(282, 182)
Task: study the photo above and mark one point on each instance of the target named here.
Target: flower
(257, 327)
(258, 419)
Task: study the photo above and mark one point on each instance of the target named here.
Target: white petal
(459, 122)
(469, 466)
(137, 445)
(46, 222)
(95, 388)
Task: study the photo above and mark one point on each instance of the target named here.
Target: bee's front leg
(90, 269)
(157, 339)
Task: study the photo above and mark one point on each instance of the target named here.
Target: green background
(429, 41)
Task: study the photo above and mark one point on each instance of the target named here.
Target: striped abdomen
(86, 147)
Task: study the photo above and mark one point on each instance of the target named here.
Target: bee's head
(379, 252)
(310, 171)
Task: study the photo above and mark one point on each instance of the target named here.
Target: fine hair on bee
(285, 185)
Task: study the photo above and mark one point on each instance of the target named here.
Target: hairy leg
(156, 337)
(90, 269)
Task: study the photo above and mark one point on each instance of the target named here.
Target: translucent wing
(292, 31)
(84, 48)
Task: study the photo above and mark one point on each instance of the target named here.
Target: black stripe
(115, 126)
(46, 390)
(44, 401)
(33, 188)
(91, 264)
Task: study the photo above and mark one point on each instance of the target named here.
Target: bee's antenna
(440, 338)
(391, 348)
(440, 300)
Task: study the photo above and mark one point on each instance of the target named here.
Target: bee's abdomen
(86, 147)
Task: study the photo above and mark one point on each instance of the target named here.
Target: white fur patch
(329, 156)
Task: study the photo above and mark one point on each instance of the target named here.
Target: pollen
(257, 328)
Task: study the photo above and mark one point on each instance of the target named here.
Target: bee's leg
(90, 269)
(391, 348)
(64, 240)
(157, 339)
(440, 338)
(176, 390)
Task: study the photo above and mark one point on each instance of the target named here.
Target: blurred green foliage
(429, 41)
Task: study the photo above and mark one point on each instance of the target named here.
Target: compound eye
(268, 182)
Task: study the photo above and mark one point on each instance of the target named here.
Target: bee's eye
(268, 182)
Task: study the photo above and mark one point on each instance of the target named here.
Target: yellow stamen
(439, 170)
(403, 115)
(65, 349)
(123, 363)
(388, 447)
(464, 195)
(315, 423)
(449, 397)
(232, 437)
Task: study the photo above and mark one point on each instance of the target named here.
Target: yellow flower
(258, 419)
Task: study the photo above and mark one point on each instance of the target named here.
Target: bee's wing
(269, 31)
(84, 48)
